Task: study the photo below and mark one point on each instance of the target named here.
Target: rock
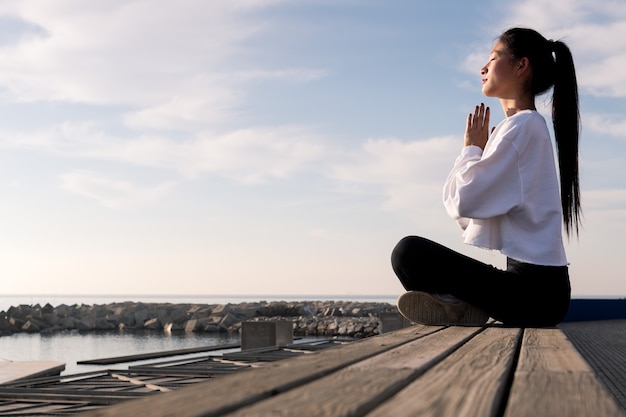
(5, 325)
(141, 316)
(63, 311)
(179, 316)
(191, 325)
(221, 309)
(86, 323)
(51, 319)
(31, 326)
(104, 324)
(18, 321)
(153, 324)
(114, 319)
(321, 318)
(128, 319)
(68, 323)
(227, 321)
(211, 328)
(100, 312)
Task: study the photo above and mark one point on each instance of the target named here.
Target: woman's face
(499, 77)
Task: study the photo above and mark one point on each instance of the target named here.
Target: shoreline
(356, 319)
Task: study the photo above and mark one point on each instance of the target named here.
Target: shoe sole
(424, 308)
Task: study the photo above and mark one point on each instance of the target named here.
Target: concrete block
(191, 325)
(258, 334)
(390, 321)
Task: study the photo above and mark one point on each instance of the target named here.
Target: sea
(72, 347)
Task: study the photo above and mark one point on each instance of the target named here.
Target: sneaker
(439, 310)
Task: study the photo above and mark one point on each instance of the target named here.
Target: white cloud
(614, 125)
(208, 99)
(247, 155)
(409, 173)
(111, 193)
(595, 31)
(173, 64)
(184, 66)
(404, 172)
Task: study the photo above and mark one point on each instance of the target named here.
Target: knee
(407, 248)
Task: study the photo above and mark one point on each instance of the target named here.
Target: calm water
(72, 347)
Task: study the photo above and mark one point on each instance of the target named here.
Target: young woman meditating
(504, 192)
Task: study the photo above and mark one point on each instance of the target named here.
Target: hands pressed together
(477, 127)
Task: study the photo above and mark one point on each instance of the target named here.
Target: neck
(513, 106)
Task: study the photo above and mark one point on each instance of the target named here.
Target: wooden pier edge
(417, 371)
(225, 394)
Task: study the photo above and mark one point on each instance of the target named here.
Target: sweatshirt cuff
(471, 150)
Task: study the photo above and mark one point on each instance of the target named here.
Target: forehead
(498, 48)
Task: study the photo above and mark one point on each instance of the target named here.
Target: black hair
(553, 66)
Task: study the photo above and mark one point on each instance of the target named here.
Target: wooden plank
(362, 386)
(156, 355)
(553, 379)
(139, 382)
(216, 397)
(472, 381)
(67, 396)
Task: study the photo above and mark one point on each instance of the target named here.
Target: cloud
(173, 65)
(402, 172)
(186, 66)
(595, 31)
(409, 174)
(253, 155)
(614, 125)
(111, 193)
(205, 100)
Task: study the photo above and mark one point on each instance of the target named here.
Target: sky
(271, 146)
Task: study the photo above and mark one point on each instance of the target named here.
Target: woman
(504, 192)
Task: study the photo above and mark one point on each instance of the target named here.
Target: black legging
(523, 295)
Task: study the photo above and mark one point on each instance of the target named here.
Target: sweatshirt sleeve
(483, 185)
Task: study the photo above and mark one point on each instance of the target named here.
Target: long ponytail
(566, 122)
(553, 66)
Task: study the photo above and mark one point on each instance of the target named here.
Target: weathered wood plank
(553, 379)
(61, 396)
(363, 385)
(156, 355)
(471, 381)
(221, 395)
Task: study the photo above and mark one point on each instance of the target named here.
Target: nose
(483, 70)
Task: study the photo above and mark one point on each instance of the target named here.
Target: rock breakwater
(310, 318)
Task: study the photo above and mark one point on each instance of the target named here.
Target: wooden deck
(417, 371)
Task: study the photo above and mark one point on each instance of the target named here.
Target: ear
(523, 66)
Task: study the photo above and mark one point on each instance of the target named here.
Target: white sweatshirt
(507, 197)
